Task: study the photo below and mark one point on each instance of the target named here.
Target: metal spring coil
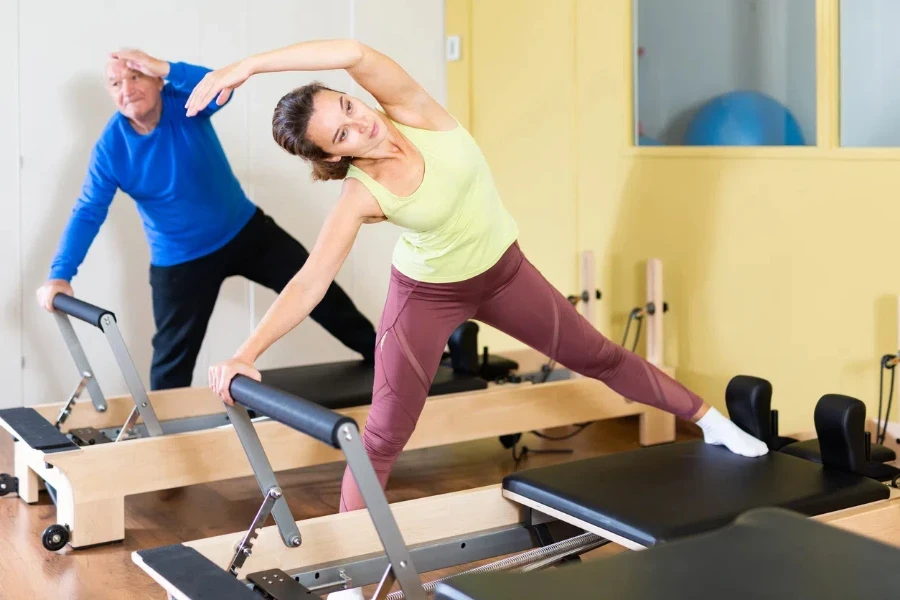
(528, 561)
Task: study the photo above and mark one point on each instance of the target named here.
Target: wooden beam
(879, 520)
(658, 427)
(168, 404)
(655, 321)
(344, 536)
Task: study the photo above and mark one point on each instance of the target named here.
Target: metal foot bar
(105, 321)
(337, 431)
(265, 475)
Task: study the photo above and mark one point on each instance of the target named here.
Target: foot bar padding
(306, 417)
(194, 575)
(766, 553)
(663, 493)
(36, 431)
(80, 309)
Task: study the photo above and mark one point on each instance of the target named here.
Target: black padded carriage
(764, 554)
(663, 493)
(346, 384)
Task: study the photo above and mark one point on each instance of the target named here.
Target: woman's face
(343, 125)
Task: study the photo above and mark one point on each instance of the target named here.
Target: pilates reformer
(91, 454)
(647, 498)
(47, 428)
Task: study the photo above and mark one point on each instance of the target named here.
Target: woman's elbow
(357, 51)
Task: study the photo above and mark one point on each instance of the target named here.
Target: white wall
(698, 49)
(10, 307)
(870, 59)
(62, 107)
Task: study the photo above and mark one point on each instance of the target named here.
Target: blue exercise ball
(744, 118)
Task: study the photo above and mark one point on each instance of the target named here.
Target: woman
(414, 165)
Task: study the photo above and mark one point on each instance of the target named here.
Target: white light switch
(453, 47)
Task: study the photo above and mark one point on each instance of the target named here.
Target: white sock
(351, 594)
(719, 430)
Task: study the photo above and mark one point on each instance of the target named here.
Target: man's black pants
(184, 296)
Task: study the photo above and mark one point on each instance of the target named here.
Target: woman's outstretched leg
(525, 306)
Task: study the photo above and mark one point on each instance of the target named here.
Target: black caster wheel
(55, 537)
(8, 484)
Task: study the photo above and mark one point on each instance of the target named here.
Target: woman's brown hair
(289, 124)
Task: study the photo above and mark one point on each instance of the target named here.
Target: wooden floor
(161, 518)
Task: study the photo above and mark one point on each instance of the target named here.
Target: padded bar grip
(80, 309)
(306, 417)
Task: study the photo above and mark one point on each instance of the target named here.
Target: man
(200, 225)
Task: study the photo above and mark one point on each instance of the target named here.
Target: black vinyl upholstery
(809, 449)
(36, 431)
(194, 575)
(347, 384)
(663, 493)
(749, 403)
(766, 554)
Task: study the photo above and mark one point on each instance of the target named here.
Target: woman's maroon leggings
(513, 297)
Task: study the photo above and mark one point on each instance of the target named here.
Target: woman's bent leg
(415, 327)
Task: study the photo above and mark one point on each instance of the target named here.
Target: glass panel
(870, 87)
(725, 72)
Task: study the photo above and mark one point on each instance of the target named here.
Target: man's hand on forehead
(140, 61)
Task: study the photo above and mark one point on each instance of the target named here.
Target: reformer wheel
(55, 537)
(8, 484)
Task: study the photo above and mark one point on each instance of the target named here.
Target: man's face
(135, 94)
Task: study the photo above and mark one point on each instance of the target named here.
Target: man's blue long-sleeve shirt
(188, 198)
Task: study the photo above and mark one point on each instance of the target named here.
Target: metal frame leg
(81, 361)
(244, 549)
(265, 475)
(129, 372)
(399, 560)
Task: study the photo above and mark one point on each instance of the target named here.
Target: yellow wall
(457, 21)
(518, 71)
(777, 263)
